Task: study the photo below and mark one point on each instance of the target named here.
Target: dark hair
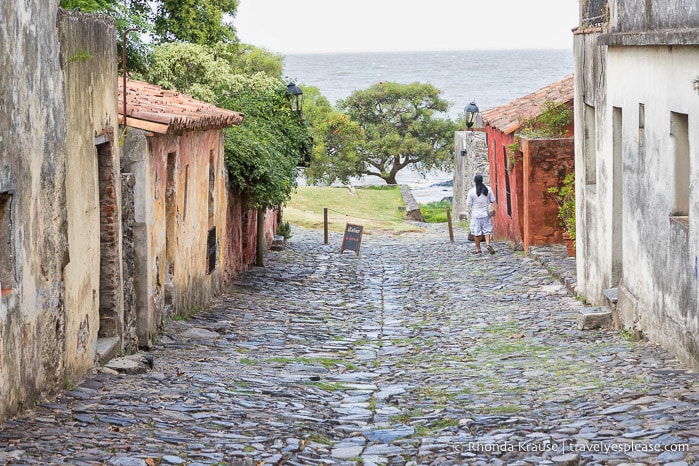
(481, 188)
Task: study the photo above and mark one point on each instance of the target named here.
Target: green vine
(565, 198)
(81, 55)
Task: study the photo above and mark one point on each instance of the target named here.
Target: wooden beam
(159, 128)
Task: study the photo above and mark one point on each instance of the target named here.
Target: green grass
(435, 212)
(379, 209)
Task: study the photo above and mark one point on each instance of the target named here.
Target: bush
(435, 212)
(284, 229)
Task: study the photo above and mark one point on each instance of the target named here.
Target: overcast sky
(320, 26)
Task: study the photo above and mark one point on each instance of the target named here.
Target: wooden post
(325, 225)
(451, 229)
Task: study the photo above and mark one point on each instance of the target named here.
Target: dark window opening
(679, 133)
(170, 213)
(7, 259)
(211, 251)
(508, 195)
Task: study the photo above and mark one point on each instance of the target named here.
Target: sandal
(476, 252)
(490, 249)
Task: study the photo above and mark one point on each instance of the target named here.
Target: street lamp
(471, 114)
(296, 96)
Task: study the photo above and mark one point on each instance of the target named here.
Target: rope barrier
(366, 218)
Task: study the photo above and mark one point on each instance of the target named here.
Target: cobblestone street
(416, 352)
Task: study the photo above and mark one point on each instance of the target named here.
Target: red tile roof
(159, 110)
(507, 117)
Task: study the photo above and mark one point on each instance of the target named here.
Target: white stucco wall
(626, 211)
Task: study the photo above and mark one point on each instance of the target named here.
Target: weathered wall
(466, 167)
(180, 196)
(545, 163)
(88, 53)
(32, 183)
(638, 209)
(145, 298)
(642, 16)
(659, 253)
(594, 237)
(508, 224)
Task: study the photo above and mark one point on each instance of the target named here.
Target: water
(490, 78)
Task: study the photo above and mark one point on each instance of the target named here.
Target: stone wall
(474, 161)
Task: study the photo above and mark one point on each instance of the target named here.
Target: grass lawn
(379, 209)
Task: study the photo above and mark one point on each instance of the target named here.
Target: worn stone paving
(416, 352)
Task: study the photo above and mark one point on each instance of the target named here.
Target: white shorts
(481, 226)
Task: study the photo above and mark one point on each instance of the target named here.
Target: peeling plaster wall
(593, 230)
(179, 196)
(659, 254)
(507, 227)
(32, 173)
(89, 60)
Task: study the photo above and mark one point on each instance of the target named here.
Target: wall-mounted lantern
(471, 112)
(296, 95)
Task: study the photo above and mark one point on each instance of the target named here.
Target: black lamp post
(296, 96)
(471, 114)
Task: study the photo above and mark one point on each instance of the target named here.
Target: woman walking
(478, 200)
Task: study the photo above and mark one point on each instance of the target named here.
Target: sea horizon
(490, 78)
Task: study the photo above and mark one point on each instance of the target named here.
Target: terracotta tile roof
(506, 117)
(159, 110)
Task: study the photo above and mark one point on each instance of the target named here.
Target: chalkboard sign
(352, 239)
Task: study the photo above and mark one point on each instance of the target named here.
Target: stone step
(591, 318)
(107, 348)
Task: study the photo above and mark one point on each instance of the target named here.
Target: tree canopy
(336, 140)
(262, 154)
(398, 129)
(204, 22)
(195, 21)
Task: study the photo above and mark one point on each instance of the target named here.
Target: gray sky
(316, 26)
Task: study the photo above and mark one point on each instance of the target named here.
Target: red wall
(546, 163)
(242, 234)
(506, 226)
(533, 213)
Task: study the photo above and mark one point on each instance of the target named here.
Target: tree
(336, 140)
(195, 21)
(127, 14)
(399, 129)
(262, 154)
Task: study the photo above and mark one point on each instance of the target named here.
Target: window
(679, 134)
(508, 195)
(211, 251)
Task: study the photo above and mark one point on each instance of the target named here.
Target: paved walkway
(414, 353)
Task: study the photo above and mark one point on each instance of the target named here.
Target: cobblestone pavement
(416, 352)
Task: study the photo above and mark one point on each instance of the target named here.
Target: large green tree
(400, 130)
(336, 140)
(195, 21)
(262, 154)
(161, 21)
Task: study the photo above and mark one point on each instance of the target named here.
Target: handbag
(491, 209)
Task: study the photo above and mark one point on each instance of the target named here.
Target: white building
(637, 165)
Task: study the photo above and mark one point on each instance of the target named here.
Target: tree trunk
(260, 261)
